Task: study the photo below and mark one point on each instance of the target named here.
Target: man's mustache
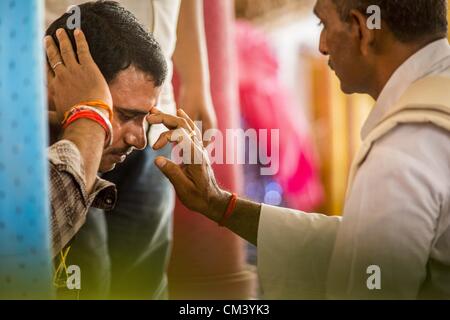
(118, 151)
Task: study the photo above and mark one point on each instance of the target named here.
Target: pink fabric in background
(266, 104)
(208, 262)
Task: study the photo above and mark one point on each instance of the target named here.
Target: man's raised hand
(72, 80)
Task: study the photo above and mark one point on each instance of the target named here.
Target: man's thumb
(161, 162)
(170, 169)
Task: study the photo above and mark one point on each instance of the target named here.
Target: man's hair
(409, 20)
(116, 40)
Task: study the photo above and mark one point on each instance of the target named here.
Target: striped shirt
(69, 199)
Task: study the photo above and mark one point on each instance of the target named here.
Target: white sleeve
(294, 250)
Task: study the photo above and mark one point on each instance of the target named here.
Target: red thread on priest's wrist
(230, 209)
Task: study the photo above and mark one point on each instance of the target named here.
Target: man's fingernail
(59, 32)
(160, 162)
(76, 32)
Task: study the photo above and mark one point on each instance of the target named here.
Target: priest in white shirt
(393, 239)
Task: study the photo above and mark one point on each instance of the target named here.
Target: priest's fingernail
(160, 162)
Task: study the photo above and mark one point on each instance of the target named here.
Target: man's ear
(366, 35)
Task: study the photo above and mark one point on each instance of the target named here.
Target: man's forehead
(320, 7)
(134, 92)
(131, 77)
(135, 105)
(317, 5)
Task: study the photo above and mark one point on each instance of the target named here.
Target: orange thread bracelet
(94, 103)
(79, 109)
(230, 209)
(99, 104)
(91, 115)
(85, 114)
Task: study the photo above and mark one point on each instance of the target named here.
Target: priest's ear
(364, 28)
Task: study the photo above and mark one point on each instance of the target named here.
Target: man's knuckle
(66, 50)
(83, 50)
(52, 55)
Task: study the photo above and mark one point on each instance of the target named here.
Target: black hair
(116, 40)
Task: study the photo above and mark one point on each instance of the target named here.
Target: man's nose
(136, 138)
(323, 48)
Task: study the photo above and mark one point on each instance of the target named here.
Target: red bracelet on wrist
(95, 104)
(230, 209)
(85, 114)
(93, 115)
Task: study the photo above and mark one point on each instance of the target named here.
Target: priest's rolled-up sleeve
(294, 252)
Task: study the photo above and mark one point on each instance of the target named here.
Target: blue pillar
(25, 260)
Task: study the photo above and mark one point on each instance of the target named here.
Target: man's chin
(348, 90)
(345, 88)
(106, 167)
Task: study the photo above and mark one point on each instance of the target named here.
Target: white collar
(426, 61)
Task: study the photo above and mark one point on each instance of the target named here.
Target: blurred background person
(214, 269)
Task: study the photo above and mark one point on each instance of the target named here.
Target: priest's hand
(193, 179)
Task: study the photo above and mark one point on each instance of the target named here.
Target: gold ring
(56, 64)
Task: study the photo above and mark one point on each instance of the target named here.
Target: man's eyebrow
(133, 112)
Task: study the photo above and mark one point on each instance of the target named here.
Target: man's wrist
(91, 113)
(243, 217)
(84, 127)
(218, 205)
